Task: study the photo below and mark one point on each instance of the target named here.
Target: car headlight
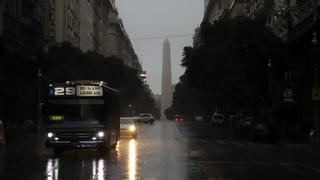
(132, 128)
(50, 134)
(100, 134)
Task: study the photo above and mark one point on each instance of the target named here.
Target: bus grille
(75, 136)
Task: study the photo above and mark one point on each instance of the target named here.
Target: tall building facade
(166, 91)
(282, 15)
(90, 25)
(65, 21)
(22, 25)
(22, 40)
(206, 2)
(86, 25)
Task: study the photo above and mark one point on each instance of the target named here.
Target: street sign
(316, 94)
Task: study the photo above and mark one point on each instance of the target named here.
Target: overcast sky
(159, 18)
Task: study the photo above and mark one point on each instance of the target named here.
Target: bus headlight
(100, 134)
(50, 134)
(132, 128)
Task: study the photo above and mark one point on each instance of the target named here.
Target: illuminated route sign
(79, 90)
(83, 90)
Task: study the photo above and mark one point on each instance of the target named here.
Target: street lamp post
(316, 88)
(39, 104)
(39, 79)
(270, 78)
(129, 110)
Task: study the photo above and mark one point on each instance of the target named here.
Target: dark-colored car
(261, 131)
(244, 126)
(178, 118)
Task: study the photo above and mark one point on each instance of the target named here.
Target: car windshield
(76, 112)
(126, 121)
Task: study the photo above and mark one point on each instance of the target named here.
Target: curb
(2, 137)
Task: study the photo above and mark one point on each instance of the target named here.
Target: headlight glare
(132, 128)
(100, 134)
(50, 135)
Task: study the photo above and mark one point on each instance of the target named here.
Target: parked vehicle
(146, 118)
(217, 119)
(244, 126)
(198, 118)
(261, 131)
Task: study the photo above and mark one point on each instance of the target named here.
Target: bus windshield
(76, 110)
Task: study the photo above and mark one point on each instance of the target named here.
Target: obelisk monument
(166, 91)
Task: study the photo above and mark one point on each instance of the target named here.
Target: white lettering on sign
(64, 91)
(84, 90)
(70, 91)
(59, 91)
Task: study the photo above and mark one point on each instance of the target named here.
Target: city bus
(82, 114)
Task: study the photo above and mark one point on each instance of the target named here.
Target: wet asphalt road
(159, 152)
(165, 151)
(223, 156)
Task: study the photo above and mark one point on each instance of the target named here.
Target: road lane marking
(252, 144)
(314, 169)
(220, 142)
(150, 178)
(268, 146)
(260, 163)
(195, 153)
(204, 141)
(236, 143)
(192, 134)
(177, 131)
(184, 139)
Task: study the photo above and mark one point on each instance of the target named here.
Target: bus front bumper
(74, 144)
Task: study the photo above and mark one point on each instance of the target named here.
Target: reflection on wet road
(132, 160)
(159, 152)
(154, 153)
(52, 169)
(119, 163)
(162, 151)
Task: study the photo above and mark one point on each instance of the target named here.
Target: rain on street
(165, 150)
(159, 152)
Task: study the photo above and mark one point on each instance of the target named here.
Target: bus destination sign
(89, 91)
(80, 90)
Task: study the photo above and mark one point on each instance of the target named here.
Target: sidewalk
(203, 130)
(218, 144)
(26, 144)
(19, 156)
